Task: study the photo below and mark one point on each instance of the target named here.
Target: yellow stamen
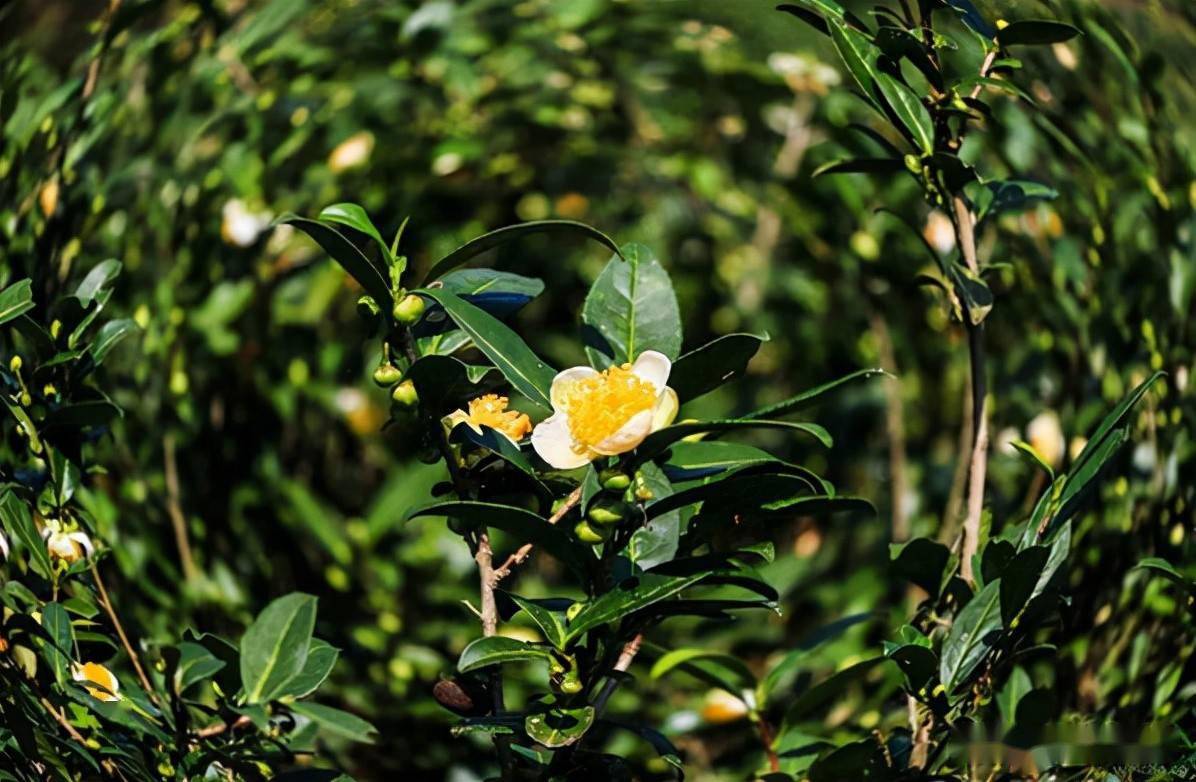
(491, 410)
(599, 405)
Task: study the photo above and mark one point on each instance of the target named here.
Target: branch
(630, 650)
(525, 550)
(175, 508)
(120, 631)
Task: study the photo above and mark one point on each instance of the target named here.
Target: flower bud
(572, 611)
(607, 512)
(570, 683)
(614, 480)
(404, 395)
(14, 364)
(387, 374)
(588, 534)
(643, 492)
(913, 164)
(409, 309)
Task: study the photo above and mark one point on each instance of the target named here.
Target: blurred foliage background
(250, 461)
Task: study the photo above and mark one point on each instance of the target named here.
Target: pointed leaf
(274, 649)
(481, 244)
(631, 308)
(348, 256)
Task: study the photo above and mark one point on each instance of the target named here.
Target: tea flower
(605, 413)
(108, 688)
(3, 546)
(491, 410)
(70, 547)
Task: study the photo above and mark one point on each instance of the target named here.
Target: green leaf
(971, 636)
(19, 523)
(1159, 565)
(789, 662)
(861, 165)
(740, 676)
(828, 689)
(196, 663)
(355, 217)
(341, 723)
(1036, 32)
(1010, 195)
(481, 244)
(656, 541)
(718, 362)
(858, 53)
(496, 650)
(57, 649)
(663, 438)
(559, 727)
(921, 561)
(972, 291)
(631, 308)
(321, 659)
(522, 524)
(1034, 456)
(109, 335)
(1018, 580)
(348, 256)
(274, 648)
(518, 364)
(812, 396)
(909, 109)
(746, 491)
(689, 461)
(445, 384)
(1113, 419)
(860, 760)
(627, 597)
(548, 621)
(493, 441)
(16, 300)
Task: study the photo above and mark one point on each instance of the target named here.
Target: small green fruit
(607, 512)
(404, 395)
(387, 374)
(614, 480)
(588, 534)
(409, 309)
(914, 164)
(643, 492)
(572, 611)
(571, 684)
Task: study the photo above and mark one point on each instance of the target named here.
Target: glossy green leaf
(700, 459)
(631, 308)
(971, 636)
(557, 728)
(909, 109)
(58, 647)
(109, 335)
(829, 689)
(16, 300)
(729, 666)
(344, 252)
(274, 648)
(497, 650)
(663, 438)
(355, 217)
(812, 396)
(863, 165)
(1035, 32)
(196, 663)
(335, 721)
(489, 241)
(626, 598)
(858, 53)
(321, 659)
(718, 362)
(1112, 420)
(518, 364)
(657, 540)
(548, 621)
(19, 523)
(1160, 565)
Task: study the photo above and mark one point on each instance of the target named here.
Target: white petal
(653, 367)
(666, 409)
(629, 435)
(563, 379)
(552, 440)
(4, 546)
(84, 541)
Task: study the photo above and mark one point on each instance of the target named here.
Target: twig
(175, 508)
(62, 720)
(630, 650)
(525, 550)
(766, 739)
(965, 231)
(216, 730)
(895, 429)
(120, 631)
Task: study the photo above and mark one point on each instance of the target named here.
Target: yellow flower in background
(1045, 433)
(605, 413)
(70, 547)
(352, 152)
(491, 410)
(107, 689)
(720, 707)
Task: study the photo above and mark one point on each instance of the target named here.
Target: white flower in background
(241, 227)
(70, 547)
(3, 546)
(939, 232)
(352, 152)
(491, 410)
(605, 413)
(1046, 435)
(108, 688)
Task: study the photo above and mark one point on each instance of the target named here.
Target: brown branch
(61, 719)
(965, 232)
(894, 429)
(175, 508)
(120, 631)
(630, 650)
(218, 729)
(525, 550)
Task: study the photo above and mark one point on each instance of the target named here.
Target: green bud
(914, 164)
(643, 492)
(614, 480)
(387, 374)
(571, 683)
(607, 512)
(572, 611)
(409, 309)
(14, 364)
(404, 395)
(368, 309)
(588, 534)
